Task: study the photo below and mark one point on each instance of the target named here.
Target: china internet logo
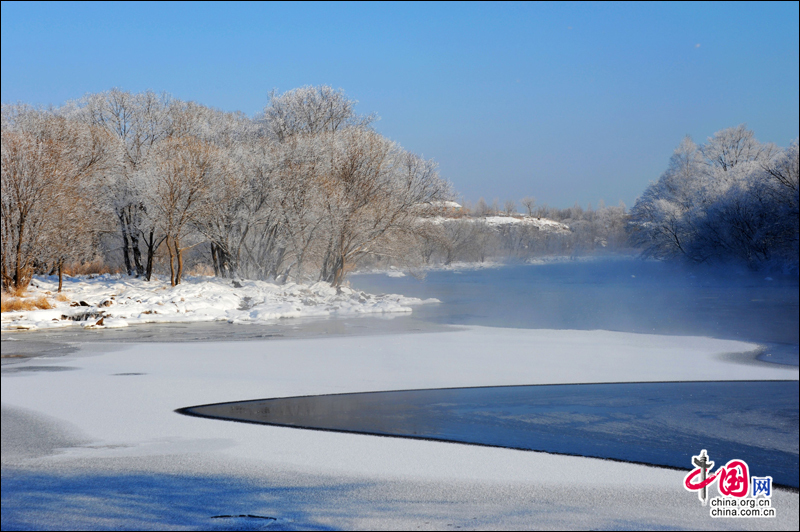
(734, 485)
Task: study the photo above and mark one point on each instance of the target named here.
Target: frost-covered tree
(374, 192)
(49, 209)
(733, 146)
(660, 217)
(309, 111)
(725, 199)
(137, 122)
(482, 208)
(529, 202)
(178, 180)
(304, 191)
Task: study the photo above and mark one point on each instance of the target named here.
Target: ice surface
(147, 466)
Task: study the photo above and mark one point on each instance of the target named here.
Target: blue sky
(562, 101)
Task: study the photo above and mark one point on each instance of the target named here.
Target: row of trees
(304, 191)
(307, 190)
(474, 234)
(731, 198)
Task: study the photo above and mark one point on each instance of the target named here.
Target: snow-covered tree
(529, 202)
(304, 191)
(374, 192)
(178, 181)
(137, 122)
(726, 199)
(49, 210)
(309, 111)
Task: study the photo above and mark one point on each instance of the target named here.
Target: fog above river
(626, 295)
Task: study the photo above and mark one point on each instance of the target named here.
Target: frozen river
(91, 438)
(655, 423)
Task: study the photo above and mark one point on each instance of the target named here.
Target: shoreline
(118, 301)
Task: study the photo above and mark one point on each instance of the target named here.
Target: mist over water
(627, 295)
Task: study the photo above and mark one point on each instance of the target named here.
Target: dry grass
(201, 269)
(96, 267)
(11, 291)
(11, 304)
(62, 298)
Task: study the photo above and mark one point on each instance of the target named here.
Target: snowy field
(103, 447)
(121, 301)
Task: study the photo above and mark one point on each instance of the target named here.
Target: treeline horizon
(307, 190)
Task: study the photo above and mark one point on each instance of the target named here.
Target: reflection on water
(655, 423)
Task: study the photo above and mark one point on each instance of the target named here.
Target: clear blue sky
(562, 101)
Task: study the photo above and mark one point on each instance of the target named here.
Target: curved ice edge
(187, 411)
(753, 357)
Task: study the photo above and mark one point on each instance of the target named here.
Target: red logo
(733, 479)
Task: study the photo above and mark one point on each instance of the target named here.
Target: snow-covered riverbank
(103, 447)
(121, 300)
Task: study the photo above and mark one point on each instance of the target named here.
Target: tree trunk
(18, 264)
(323, 274)
(336, 271)
(137, 254)
(179, 253)
(151, 251)
(60, 276)
(214, 260)
(338, 276)
(278, 260)
(124, 231)
(171, 264)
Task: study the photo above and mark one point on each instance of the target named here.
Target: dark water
(654, 423)
(616, 295)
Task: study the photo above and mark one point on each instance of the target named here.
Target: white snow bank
(457, 266)
(121, 300)
(445, 204)
(560, 259)
(543, 224)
